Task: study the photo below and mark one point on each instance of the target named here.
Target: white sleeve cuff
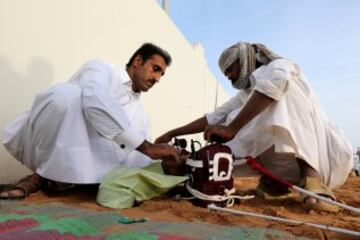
(129, 140)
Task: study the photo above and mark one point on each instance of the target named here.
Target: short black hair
(147, 50)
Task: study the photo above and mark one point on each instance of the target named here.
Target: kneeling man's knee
(64, 97)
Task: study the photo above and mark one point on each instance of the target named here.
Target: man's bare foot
(310, 201)
(313, 203)
(313, 185)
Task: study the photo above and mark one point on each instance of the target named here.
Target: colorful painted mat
(19, 220)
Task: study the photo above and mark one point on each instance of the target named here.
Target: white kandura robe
(295, 123)
(78, 131)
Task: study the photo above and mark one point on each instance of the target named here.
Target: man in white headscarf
(277, 118)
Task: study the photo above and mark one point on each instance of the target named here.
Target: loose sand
(166, 209)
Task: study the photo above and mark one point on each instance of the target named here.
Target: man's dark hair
(147, 50)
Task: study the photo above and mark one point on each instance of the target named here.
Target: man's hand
(218, 133)
(170, 156)
(159, 151)
(172, 167)
(165, 152)
(165, 138)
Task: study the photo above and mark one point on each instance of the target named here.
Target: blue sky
(322, 36)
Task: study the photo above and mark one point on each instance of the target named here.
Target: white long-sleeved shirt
(108, 100)
(80, 130)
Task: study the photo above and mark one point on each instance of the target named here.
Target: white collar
(125, 78)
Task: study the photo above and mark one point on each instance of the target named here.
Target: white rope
(228, 197)
(279, 219)
(242, 160)
(325, 199)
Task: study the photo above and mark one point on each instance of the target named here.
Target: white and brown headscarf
(247, 54)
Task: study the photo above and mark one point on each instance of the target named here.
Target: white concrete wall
(43, 42)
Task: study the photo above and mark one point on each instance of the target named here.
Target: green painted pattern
(132, 236)
(75, 226)
(84, 222)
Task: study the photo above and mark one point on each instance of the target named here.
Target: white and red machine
(210, 171)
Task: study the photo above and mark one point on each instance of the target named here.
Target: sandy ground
(166, 209)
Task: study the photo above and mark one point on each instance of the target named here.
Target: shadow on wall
(16, 96)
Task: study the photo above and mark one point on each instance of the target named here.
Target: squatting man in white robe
(276, 118)
(78, 131)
